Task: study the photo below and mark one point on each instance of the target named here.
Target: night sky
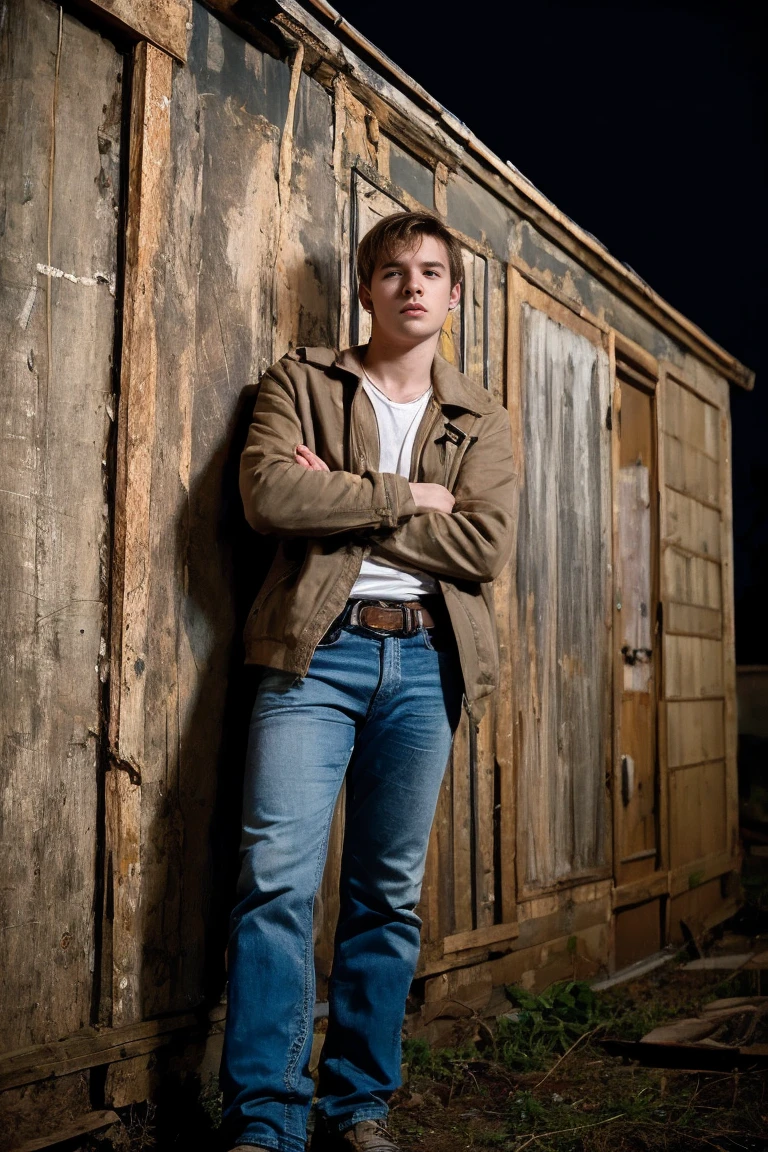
(646, 124)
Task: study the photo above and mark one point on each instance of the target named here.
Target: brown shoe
(365, 1136)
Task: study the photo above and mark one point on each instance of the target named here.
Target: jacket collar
(451, 388)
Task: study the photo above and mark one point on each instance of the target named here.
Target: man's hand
(308, 459)
(427, 497)
(432, 498)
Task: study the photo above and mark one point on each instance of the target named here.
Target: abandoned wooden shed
(184, 186)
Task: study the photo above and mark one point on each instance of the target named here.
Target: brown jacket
(329, 521)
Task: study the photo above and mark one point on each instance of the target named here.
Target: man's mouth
(413, 308)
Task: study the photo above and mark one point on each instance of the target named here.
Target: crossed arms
(288, 490)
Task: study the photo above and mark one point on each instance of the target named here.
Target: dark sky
(646, 124)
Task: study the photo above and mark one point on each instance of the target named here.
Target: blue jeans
(382, 711)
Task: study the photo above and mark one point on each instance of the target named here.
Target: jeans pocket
(331, 637)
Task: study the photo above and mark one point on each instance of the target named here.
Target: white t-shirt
(398, 424)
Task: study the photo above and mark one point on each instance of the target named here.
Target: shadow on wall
(219, 564)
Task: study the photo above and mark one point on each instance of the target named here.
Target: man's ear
(364, 296)
(454, 297)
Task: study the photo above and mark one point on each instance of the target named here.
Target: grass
(544, 1083)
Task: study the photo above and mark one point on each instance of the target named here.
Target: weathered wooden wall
(252, 174)
(60, 128)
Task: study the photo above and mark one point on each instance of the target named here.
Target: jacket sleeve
(284, 498)
(474, 541)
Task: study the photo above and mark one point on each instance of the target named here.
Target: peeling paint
(107, 278)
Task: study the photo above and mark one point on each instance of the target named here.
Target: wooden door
(561, 600)
(636, 792)
(60, 123)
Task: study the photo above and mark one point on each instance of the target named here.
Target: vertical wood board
(56, 393)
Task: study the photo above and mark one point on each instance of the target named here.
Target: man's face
(411, 293)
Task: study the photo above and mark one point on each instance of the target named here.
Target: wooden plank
(504, 752)
(691, 525)
(147, 194)
(641, 358)
(691, 420)
(578, 955)
(689, 620)
(691, 471)
(698, 814)
(638, 891)
(480, 937)
(463, 863)
(697, 873)
(89, 1049)
(695, 731)
(485, 822)
(693, 666)
(163, 23)
(60, 120)
(691, 580)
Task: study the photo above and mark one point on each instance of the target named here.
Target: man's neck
(400, 373)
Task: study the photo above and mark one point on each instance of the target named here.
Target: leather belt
(405, 618)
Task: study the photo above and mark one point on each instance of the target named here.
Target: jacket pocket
(281, 570)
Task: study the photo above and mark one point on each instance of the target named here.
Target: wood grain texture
(161, 22)
(697, 813)
(232, 262)
(56, 397)
(695, 731)
(562, 671)
(122, 1001)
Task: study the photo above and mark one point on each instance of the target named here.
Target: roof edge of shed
(618, 275)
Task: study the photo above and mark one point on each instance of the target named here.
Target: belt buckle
(408, 627)
(356, 617)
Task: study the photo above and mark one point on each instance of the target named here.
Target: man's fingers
(307, 457)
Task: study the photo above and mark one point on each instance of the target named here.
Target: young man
(388, 476)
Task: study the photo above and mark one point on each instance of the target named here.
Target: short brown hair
(399, 233)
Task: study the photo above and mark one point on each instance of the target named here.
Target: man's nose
(412, 287)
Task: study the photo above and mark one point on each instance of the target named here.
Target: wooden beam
(163, 23)
(91, 1049)
(480, 937)
(147, 196)
(698, 872)
(638, 891)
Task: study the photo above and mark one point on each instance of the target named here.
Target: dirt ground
(588, 1101)
(541, 1078)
